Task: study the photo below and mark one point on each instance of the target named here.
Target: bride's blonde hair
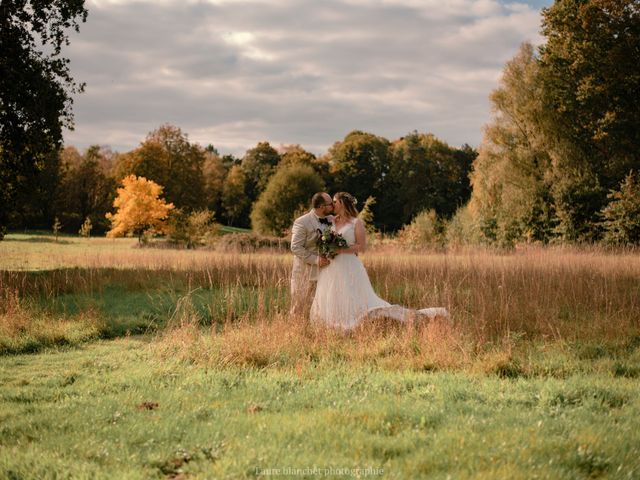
(349, 202)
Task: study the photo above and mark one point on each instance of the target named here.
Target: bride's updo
(349, 202)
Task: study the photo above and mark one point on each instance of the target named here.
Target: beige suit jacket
(303, 245)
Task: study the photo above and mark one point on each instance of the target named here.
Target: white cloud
(236, 72)
(246, 42)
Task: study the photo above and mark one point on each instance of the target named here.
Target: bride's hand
(323, 262)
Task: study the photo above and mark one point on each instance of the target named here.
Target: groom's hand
(323, 262)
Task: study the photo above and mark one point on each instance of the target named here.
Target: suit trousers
(303, 290)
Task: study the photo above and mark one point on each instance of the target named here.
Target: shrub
(85, 229)
(621, 217)
(461, 229)
(193, 229)
(250, 242)
(425, 231)
(366, 215)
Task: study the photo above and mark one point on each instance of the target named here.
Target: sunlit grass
(115, 410)
(535, 374)
(496, 300)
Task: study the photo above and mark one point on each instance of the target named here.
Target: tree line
(263, 189)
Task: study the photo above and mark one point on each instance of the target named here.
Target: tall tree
(567, 126)
(169, 159)
(34, 207)
(591, 86)
(512, 175)
(424, 174)
(409, 182)
(295, 154)
(235, 203)
(258, 164)
(360, 164)
(35, 89)
(215, 173)
(86, 189)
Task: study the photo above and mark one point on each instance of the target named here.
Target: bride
(344, 296)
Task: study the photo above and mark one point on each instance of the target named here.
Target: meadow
(128, 362)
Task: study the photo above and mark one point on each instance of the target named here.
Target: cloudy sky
(236, 72)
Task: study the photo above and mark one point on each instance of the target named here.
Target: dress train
(344, 296)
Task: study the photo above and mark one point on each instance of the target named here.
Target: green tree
(621, 217)
(214, 172)
(566, 127)
(86, 188)
(295, 154)
(235, 202)
(229, 161)
(425, 173)
(288, 191)
(512, 174)
(192, 229)
(426, 230)
(36, 90)
(591, 89)
(169, 159)
(360, 164)
(463, 229)
(35, 206)
(366, 215)
(258, 164)
(410, 181)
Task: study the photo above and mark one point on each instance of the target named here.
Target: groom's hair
(317, 200)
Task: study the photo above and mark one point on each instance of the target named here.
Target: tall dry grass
(496, 300)
(26, 329)
(503, 307)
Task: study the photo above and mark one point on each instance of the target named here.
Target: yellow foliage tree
(139, 208)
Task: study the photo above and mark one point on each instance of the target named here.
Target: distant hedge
(250, 242)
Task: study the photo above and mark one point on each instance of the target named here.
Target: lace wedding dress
(344, 295)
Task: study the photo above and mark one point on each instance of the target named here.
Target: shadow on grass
(36, 239)
(67, 307)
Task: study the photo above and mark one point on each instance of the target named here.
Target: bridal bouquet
(329, 242)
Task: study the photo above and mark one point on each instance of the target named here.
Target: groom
(306, 260)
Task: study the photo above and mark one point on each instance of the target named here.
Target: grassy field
(125, 362)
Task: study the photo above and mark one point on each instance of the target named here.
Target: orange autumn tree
(139, 208)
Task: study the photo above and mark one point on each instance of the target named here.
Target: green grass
(81, 413)
(117, 302)
(536, 376)
(42, 252)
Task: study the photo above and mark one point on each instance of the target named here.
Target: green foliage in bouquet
(329, 242)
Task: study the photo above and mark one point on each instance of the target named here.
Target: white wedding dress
(344, 295)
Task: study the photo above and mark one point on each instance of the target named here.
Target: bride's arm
(361, 240)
